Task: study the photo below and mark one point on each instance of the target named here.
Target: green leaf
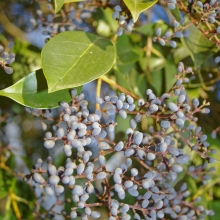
(157, 81)
(138, 6)
(156, 63)
(138, 83)
(8, 215)
(180, 54)
(147, 29)
(27, 60)
(125, 69)
(193, 93)
(11, 161)
(199, 46)
(6, 182)
(150, 28)
(214, 205)
(170, 71)
(121, 79)
(74, 58)
(106, 26)
(126, 52)
(67, 1)
(32, 91)
(58, 5)
(176, 13)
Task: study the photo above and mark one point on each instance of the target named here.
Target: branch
(12, 29)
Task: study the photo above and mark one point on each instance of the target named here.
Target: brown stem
(11, 28)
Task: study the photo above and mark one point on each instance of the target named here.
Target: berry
(173, 107)
(173, 44)
(171, 6)
(158, 32)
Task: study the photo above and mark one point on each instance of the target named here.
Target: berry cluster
(200, 172)
(204, 15)
(210, 13)
(5, 59)
(71, 18)
(150, 161)
(124, 20)
(168, 36)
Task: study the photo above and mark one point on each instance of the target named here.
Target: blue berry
(158, 32)
(173, 107)
(171, 6)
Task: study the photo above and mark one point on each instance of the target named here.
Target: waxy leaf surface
(138, 6)
(74, 58)
(32, 91)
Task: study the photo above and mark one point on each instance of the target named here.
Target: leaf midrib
(51, 89)
(14, 93)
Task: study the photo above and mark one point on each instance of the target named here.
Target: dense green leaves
(138, 6)
(199, 46)
(74, 58)
(126, 52)
(32, 91)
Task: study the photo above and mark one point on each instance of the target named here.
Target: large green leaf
(138, 6)
(199, 46)
(74, 58)
(32, 91)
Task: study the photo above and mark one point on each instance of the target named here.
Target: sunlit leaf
(138, 6)
(58, 5)
(32, 91)
(74, 58)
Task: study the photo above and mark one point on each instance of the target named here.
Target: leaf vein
(76, 62)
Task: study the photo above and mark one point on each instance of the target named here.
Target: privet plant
(137, 150)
